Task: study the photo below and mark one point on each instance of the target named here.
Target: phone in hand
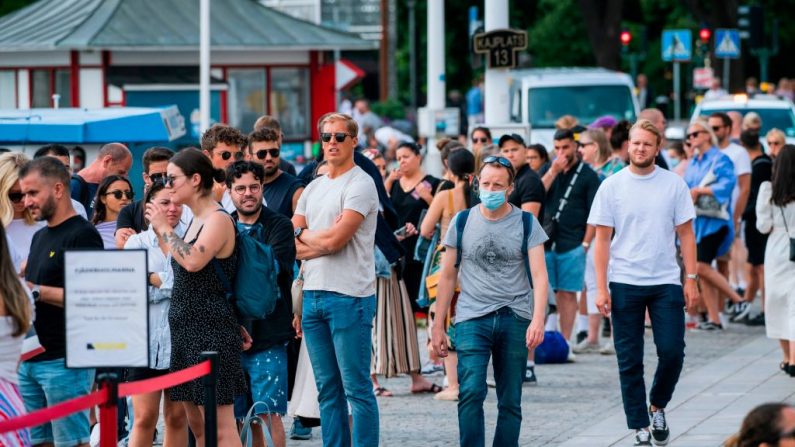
(401, 232)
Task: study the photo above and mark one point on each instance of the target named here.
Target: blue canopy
(73, 125)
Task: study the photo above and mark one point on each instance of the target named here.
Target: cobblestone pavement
(568, 399)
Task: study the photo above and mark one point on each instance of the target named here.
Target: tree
(602, 21)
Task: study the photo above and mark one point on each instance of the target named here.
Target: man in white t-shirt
(644, 275)
(721, 124)
(335, 223)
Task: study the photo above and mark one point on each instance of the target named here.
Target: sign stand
(727, 46)
(108, 411)
(677, 46)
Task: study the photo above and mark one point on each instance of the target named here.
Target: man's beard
(644, 164)
(271, 171)
(252, 212)
(47, 210)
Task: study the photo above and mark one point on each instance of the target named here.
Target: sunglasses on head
(15, 197)
(694, 134)
(226, 155)
(339, 136)
(118, 194)
(262, 153)
(480, 140)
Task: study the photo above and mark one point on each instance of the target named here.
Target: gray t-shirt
(351, 271)
(492, 274)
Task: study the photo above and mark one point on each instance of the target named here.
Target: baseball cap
(510, 137)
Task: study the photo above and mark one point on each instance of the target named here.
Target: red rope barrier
(101, 396)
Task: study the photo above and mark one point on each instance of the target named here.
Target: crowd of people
(611, 230)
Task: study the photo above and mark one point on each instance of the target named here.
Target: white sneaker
(571, 357)
(491, 383)
(584, 347)
(608, 348)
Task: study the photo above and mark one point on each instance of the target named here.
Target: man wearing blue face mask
(496, 252)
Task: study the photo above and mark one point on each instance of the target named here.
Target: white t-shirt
(742, 165)
(21, 235)
(645, 211)
(351, 271)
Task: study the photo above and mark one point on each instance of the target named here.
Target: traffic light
(751, 22)
(626, 38)
(704, 34)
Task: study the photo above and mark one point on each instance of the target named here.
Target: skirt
(395, 346)
(303, 401)
(11, 406)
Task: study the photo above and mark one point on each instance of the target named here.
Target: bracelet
(587, 245)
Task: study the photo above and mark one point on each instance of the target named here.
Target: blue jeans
(666, 309)
(500, 335)
(46, 383)
(338, 331)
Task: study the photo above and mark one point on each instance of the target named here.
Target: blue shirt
(474, 101)
(722, 188)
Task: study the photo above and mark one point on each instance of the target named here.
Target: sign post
(677, 46)
(727, 46)
(501, 46)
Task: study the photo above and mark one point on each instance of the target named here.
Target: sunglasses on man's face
(226, 155)
(716, 128)
(262, 153)
(15, 197)
(339, 136)
(158, 177)
(118, 194)
(480, 140)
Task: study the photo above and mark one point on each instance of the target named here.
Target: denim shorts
(46, 383)
(267, 374)
(566, 270)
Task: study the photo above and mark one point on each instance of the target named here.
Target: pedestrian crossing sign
(677, 45)
(727, 43)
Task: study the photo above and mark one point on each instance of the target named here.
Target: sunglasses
(339, 136)
(118, 194)
(226, 155)
(159, 177)
(774, 143)
(716, 128)
(480, 140)
(262, 153)
(15, 197)
(694, 134)
(169, 180)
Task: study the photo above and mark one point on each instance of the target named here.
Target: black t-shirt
(131, 216)
(527, 188)
(409, 206)
(46, 268)
(761, 171)
(84, 192)
(287, 167)
(279, 193)
(277, 328)
(571, 225)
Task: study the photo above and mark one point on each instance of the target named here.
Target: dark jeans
(501, 336)
(666, 309)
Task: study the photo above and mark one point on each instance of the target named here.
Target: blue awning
(72, 125)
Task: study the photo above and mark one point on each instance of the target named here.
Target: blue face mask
(674, 163)
(492, 199)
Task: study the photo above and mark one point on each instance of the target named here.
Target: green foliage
(7, 6)
(558, 38)
(391, 109)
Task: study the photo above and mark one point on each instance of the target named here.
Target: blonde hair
(702, 123)
(353, 127)
(776, 133)
(648, 126)
(15, 298)
(566, 122)
(10, 163)
(751, 118)
(603, 150)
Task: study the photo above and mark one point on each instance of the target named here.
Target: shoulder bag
(791, 239)
(707, 205)
(550, 223)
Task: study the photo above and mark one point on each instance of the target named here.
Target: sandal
(433, 389)
(383, 392)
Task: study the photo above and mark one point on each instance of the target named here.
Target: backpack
(554, 349)
(83, 198)
(461, 221)
(256, 290)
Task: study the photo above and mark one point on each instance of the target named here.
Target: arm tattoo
(177, 245)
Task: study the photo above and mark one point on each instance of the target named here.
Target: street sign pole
(726, 66)
(497, 108)
(677, 93)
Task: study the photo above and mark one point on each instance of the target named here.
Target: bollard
(210, 407)
(108, 411)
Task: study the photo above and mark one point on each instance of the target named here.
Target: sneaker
(585, 347)
(432, 368)
(299, 432)
(571, 357)
(530, 376)
(642, 437)
(608, 348)
(758, 320)
(659, 427)
(741, 311)
(490, 382)
(607, 329)
(709, 326)
(582, 335)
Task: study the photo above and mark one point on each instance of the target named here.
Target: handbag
(791, 239)
(707, 205)
(250, 421)
(550, 224)
(297, 291)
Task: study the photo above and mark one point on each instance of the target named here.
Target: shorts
(134, 374)
(566, 270)
(46, 383)
(707, 249)
(755, 242)
(266, 372)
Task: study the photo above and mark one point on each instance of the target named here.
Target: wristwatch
(36, 293)
(297, 232)
(586, 245)
(693, 276)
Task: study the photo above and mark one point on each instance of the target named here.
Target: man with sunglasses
(499, 312)
(270, 122)
(131, 218)
(61, 153)
(113, 159)
(223, 145)
(281, 190)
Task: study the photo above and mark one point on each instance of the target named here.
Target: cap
(510, 137)
(603, 122)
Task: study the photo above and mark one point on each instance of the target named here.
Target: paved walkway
(709, 403)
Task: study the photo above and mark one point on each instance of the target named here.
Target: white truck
(539, 96)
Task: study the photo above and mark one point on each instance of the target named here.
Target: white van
(539, 96)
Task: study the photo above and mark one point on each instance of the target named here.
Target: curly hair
(221, 133)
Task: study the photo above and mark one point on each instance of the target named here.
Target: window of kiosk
(289, 101)
(247, 92)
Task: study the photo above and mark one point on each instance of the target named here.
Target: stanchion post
(108, 411)
(210, 407)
